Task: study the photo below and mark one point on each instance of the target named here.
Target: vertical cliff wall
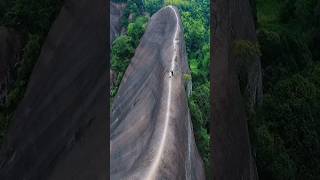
(58, 130)
(116, 12)
(232, 157)
(151, 130)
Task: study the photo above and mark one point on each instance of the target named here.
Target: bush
(200, 114)
(283, 54)
(187, 77)
(134, 8)
(136, 29)
(32, 16)
(152, 6)
(122, 51)
(246, 49)
(179, 3)
(195, 33)
(290, 119)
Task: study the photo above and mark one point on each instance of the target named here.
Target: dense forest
(285, 129)
(32, 19)
(195, 15)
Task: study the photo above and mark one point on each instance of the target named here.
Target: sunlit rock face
(151, 130)
(59, 129)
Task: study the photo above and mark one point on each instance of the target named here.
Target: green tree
(137, 28)
(122, 51)
(290, 119)
(195, 32)
(200, 114)
(152, 6)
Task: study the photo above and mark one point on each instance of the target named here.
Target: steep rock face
(232, 157)
(10, 51)
(58, 130)
(151, 130)
(116, 12)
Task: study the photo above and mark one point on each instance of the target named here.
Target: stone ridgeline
(151, 131)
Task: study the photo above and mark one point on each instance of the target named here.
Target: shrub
(290, 114)
(195, 33)
(136, 29)
(180, 3)
(122, 51)
(152, 6)
(199, 105)
(32, 16)
(246, 49)
(187, 77)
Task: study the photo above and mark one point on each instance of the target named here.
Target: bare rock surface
(58, 130)
(151, 130)
(232, 157)
(116, 12)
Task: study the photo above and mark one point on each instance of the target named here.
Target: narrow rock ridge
(151, 130)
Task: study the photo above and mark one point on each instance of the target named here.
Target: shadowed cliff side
(231, 156)
(151, 131)
(58, 131)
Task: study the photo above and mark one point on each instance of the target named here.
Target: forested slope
(285, 130)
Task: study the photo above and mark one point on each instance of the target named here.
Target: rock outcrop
(10, 52)
(151, 130)
(59, 128)
(231, 158)
(116, 12)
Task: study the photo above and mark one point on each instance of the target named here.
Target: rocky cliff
(116, 12)
(151, 130)
(58, 130)
(232, 157)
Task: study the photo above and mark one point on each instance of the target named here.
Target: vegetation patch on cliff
(134, 22)
(33, 20)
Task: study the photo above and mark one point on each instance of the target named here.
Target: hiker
(171, 74)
